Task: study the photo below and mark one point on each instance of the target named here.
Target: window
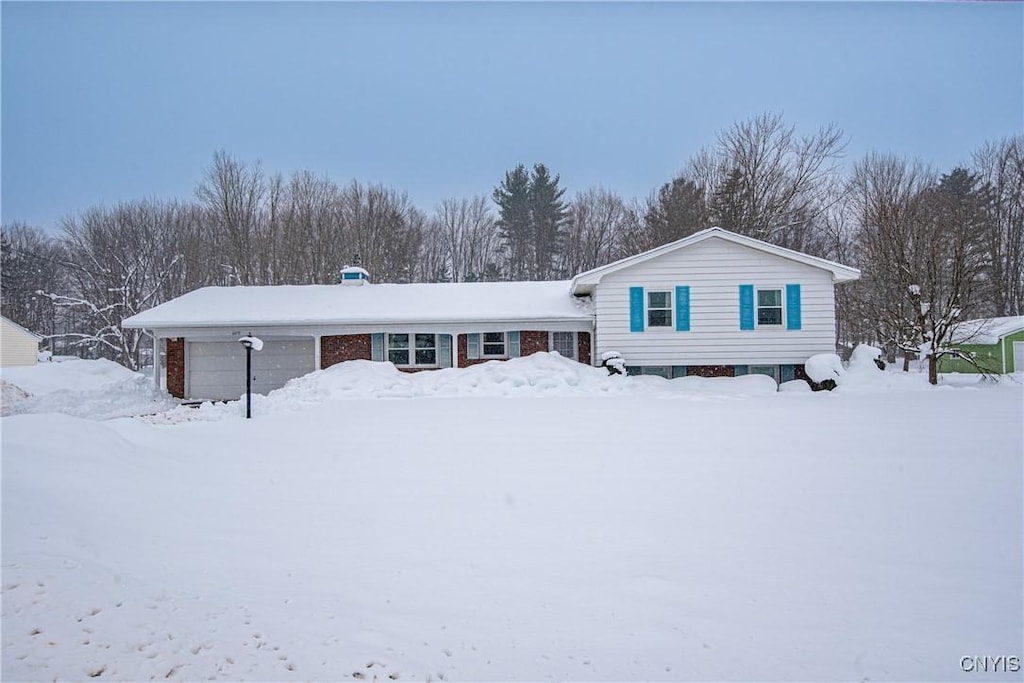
(423, 351)
(769, 370)
(659, 309)
(494, 344)
(398, 349)
(769, 307)
(426, 349)
(564, 343)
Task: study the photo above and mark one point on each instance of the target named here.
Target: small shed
(997, 345)
(18, 346)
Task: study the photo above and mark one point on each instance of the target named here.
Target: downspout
(156, 360)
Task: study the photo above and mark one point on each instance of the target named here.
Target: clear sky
(104, 102)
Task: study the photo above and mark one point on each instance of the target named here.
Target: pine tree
(514, 225)
(548, 214)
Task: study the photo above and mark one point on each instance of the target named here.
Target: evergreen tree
(727, 202)
(548, 214)
(676, 212)
(514, 225)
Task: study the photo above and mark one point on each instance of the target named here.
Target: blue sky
(104, 102)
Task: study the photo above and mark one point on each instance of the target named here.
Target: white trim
(648, 308)
(504, 344)
(781, 325)
(187, 369)
(156, 361)
(584, 283)
(411, 349)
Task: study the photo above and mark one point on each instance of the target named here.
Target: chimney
(354, 275)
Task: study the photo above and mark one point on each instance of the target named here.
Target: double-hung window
(659, 309)
(412, 349)
(493, 344)
(769, 307)
(564, 343)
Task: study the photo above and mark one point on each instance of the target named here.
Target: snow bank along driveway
(640, 532)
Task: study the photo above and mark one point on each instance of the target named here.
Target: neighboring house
(714, 303)
(997, 345)
(18, 346)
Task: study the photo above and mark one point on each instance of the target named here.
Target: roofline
(23, 328)
(127, 323)
(840, 273)
(980, 330)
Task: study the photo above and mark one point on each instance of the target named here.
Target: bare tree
(232, 194)
(120, 261)
(384, 228)
(31, 260)
(598, 223)
(920, 248)
(764, 180)
(1001, 167)
(468, 237)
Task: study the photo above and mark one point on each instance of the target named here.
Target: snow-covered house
(997, 345)
(18, 346)
(714, 303)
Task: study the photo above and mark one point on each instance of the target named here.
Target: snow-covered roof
(462, 302)
(986, 330)
(584, 283)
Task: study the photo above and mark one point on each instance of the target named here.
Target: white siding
(714, 269)
(216, 370)
(17, 346)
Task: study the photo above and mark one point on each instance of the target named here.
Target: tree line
(934, 247)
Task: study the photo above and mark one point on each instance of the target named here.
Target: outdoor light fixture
(250, 343)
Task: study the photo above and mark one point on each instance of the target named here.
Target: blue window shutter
(444, 350)
(636, 309)
(787, 373)
(473, 345)
(792, 307)
(682, 309)
(377, 347)
(746, 307)
(678, 371)
(513, 344)
(740, 370)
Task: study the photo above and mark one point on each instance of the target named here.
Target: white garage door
(216, 370)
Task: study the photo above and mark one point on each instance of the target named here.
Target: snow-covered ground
(97, 389)
(528, 520)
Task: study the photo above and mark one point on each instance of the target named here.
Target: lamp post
(249, 343)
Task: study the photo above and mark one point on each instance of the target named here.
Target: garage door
(216, 370)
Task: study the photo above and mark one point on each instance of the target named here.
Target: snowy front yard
(527, 521)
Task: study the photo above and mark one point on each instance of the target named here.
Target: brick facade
(463, 356)
(583, 347)
(710, 370)
(532, 341)
(176, 367)
(340, 347)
